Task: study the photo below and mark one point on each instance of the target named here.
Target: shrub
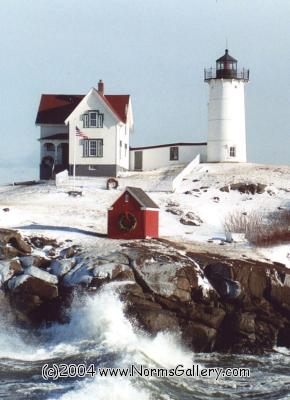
(260, 229)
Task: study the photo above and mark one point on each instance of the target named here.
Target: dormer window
(93, 119)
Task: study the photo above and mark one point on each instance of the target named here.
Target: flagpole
(74, 164)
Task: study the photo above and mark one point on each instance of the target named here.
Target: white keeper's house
(104, 123)
(92, 132)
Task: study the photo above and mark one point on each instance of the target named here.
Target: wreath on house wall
(127, 222)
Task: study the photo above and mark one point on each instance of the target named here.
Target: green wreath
(127, 222)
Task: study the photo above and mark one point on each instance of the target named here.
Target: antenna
(227, 42)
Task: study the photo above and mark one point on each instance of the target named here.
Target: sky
(155, 50)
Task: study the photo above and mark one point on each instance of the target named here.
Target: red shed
(133, 216)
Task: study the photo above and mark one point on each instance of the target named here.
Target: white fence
(187, 170)
(160, 180)
(61, 178)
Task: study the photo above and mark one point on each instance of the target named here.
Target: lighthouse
(226, 111)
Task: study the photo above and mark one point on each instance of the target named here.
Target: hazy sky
(154, 50)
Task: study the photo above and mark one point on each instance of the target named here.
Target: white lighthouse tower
(226, 111)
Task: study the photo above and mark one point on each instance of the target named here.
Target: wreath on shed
(127, 222)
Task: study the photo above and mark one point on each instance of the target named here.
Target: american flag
(80, 134)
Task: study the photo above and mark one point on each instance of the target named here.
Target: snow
(161, 278)
(5, 271)
(78, 275)
(16, 281)
(102, 271)
(61, 267)
(205, 285)
(279, 254)
(49, 211)
(40, 274)
(26, 261)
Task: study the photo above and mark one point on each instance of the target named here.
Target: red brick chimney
(101, 87)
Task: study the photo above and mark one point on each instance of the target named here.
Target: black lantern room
(226, 68)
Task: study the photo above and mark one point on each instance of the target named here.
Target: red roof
(55, 108)
(118, 104)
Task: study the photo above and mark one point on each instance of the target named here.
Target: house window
(86, 120)
(93, 119)
(126, 149)
(232, 152)
(93, 148)
(173, 153)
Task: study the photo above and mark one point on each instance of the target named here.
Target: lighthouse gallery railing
(212, 73)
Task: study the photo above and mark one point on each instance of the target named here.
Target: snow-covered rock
(68, 252)
(12, 243)
(8, 269)
(17, 281)
(109, 270)
(114, 257)
(242, 187)
(191, 218)
(112, 272)
(174, 211)
(62, 267)
(26, 261)
(34, 260)
(24, 285)
(166, 279)
(78, 275)
(40, 274)
(170, 275)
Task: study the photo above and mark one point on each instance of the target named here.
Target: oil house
(134, 215)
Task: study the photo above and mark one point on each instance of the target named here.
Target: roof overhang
(139, 201)
(94, 92)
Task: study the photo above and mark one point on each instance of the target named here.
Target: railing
(212, 73)
(186, 171)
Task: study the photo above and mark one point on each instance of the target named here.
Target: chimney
(101, 87)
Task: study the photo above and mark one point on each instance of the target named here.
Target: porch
(54, 155)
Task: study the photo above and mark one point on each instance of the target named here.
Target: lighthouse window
(232, 152)
(173, 153)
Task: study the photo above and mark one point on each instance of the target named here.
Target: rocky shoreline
(216, 303)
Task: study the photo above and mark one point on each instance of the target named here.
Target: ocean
(17, 174)
(98, 333)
